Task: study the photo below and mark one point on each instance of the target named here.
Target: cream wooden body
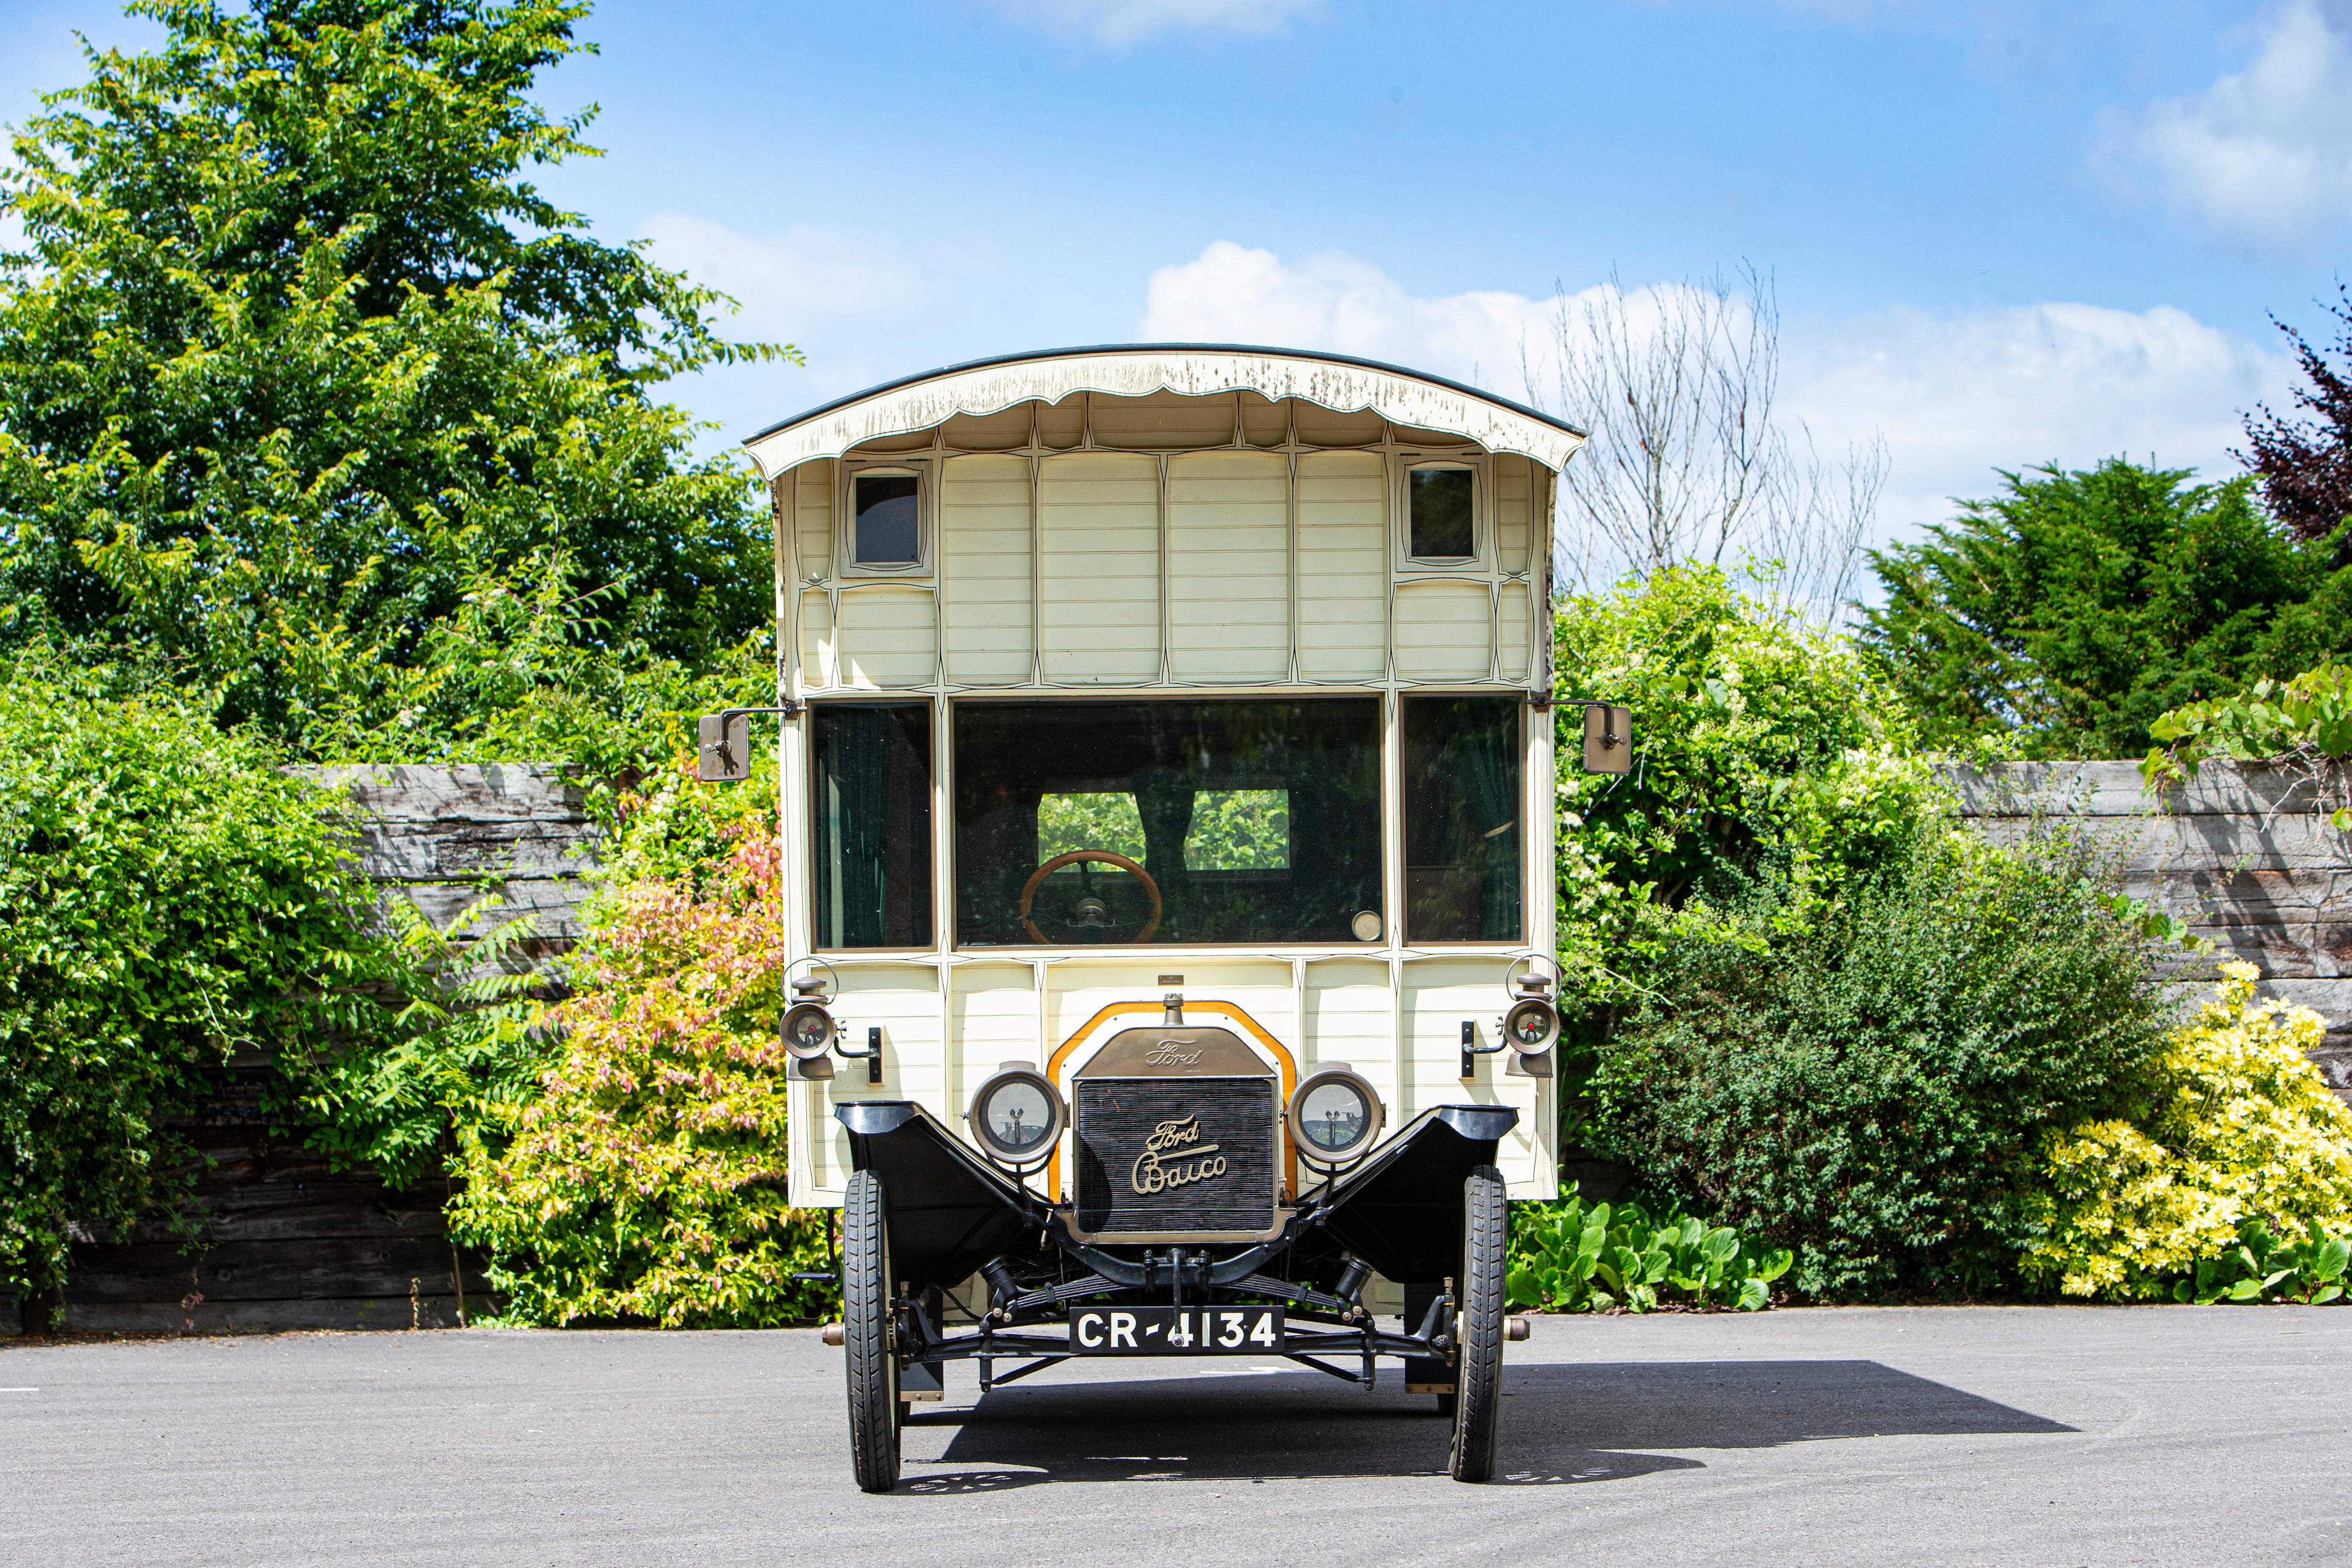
(1146, 542)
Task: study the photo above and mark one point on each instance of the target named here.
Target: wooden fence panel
(2244, 856)
(287, 1242)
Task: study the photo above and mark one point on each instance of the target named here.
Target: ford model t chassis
(1165, 753)
(1181, 1241)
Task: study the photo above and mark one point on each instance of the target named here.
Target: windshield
(1249, 820)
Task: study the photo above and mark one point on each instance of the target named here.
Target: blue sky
(2001, 233)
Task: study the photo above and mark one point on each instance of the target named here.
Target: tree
(296, 357)
(2305, 467)
(1686, 464)
(2077, 608)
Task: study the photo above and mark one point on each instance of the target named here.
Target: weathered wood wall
(291, 1243)
(2239, 853)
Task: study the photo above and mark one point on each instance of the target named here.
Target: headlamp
(1335, 1117)
(1016, 1116)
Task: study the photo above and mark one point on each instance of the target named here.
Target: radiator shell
(1114, 1118)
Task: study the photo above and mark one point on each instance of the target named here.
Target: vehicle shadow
(1562, 1424)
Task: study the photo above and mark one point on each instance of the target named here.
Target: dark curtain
(874, 826)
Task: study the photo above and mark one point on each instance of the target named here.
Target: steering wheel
(1073, 858)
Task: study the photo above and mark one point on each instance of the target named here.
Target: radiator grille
(1116, 1119)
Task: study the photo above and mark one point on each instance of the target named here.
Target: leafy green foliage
(645, 1178)
(2076, 608)
(2157, 924)
(169, 898)
(1871, 1087)
(1575, 1257)
(1229, 831)
(2303, 723)
(2308, 1269)
(527, 666)
(297, 362)
(461, 1056)
(1763, 748)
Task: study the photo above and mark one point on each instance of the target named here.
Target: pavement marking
(19, 1391)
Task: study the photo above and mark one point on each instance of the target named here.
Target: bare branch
(1686, 463)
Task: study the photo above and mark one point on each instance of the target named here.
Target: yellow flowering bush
(2245, 1140)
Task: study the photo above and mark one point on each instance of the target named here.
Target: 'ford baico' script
(1175, 1156)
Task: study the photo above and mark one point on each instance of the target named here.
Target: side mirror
(1608, 739)
(724, 755)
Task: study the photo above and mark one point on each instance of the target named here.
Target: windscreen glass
(872, 789)
(1461, 819)
(1173, 822)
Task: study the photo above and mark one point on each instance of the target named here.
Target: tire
(1479, 1326)
(866, 1293)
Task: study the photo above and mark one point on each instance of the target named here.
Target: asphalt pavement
(2050, 1435)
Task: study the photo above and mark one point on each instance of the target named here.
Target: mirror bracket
(723, 750)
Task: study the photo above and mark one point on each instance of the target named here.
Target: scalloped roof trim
(1336, 382)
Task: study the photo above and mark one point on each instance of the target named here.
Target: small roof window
(885, 522)
(1440, 498)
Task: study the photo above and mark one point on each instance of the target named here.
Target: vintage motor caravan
(1167, 756)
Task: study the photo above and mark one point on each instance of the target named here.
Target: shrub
(647, 1179)
(168, 898)
(1574, 1257)
(1871, 1088)
(1762, 747)
(2245, 1142)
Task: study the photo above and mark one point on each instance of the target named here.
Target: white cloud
(1118, 22)
(853, 302)
(1232, 294)
(2265, 153)
(1959, 395)
(796, 284)
(1956, 395)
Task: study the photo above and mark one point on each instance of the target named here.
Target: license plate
(1176, 1331)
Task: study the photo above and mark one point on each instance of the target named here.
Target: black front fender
(1401, 1211)
(947, 1211)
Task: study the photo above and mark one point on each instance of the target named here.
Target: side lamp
(809, 1027)
(1531, 1024)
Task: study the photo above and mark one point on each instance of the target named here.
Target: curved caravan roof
(1337, 382)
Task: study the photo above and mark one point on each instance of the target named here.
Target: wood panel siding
(286, 1241)
(889, 635)
(1098, 529)
(1164, 420)
(1229, 567)
(985, 570)
(1515, 631)
(1443, 630)
(1343, 565)
(2240, 854)
(812, 520)
(1511, 502)
(817, 663)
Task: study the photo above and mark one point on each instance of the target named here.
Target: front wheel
(1478, 1325)
(875, 1413)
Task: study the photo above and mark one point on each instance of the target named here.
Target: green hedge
(169, 897)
